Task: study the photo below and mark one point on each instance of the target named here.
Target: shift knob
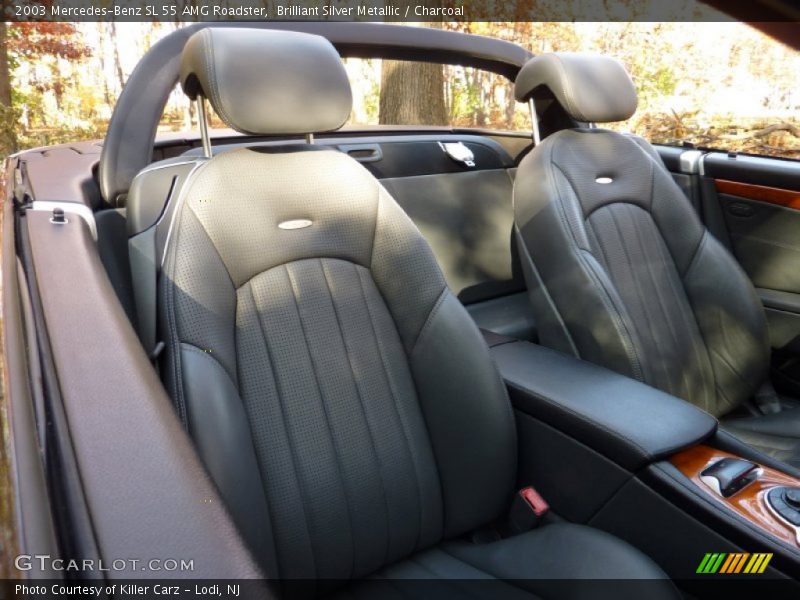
(729, 475)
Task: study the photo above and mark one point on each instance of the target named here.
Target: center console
(765, 497)
(646, 466)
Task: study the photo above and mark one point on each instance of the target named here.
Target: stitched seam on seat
(728, 364)
(695, 346)
(219, 367)
(568, 91)
(639, 293)
(378, 207)
(605, 297)
(538, 275)
(695, 260)
(363, 412)
(323, 404)
(426, 326)
(289, 435)
(196, 350)
(398, 412)
(233, 289)
(261, 467)
(212, 69)
(695, 255)
(636, 363)
(173, 327)
(645, 250)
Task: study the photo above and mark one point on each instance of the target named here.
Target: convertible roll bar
(128, 146)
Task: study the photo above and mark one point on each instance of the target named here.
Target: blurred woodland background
(722, 85)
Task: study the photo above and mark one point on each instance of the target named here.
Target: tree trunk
(102, 34)
(117, 62)
(8, 138)
(412, 93)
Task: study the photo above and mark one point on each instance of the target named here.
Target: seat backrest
(620, 269)
(337, 391)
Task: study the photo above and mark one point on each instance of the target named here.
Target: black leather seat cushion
(556, 561)
(776, 434)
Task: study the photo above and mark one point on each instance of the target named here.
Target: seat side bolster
(731, 321)
(221, 432)
(468, 416)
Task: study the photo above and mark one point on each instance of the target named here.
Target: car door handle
(362, 152)
(741, 209)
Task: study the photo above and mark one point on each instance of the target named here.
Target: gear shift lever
(729, 475)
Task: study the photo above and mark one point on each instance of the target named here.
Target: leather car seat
(338, 393)
(620, 269)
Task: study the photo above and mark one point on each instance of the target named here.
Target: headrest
(590, 87)
(268, 82)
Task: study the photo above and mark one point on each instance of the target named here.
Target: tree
(31, 42)
(8, 138)
(412, 94)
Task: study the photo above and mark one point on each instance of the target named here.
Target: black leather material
(475, 442)
(632, 280)
(338, 338)
(776, 434)
(218, 425)
(627, 421)
(246, 73)
(556, 561)
(339, 394)
(562, 551)
(590, 87)
(377, 425)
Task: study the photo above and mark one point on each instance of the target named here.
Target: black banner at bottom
(447, 589)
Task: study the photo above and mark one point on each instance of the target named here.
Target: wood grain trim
(749, 503)
(762, 193)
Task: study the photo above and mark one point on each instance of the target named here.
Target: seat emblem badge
(603, 180)
(295, 224)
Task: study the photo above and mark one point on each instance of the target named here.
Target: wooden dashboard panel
(762, 193)
(750, 502)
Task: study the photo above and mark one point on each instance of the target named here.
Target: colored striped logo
(741, 562)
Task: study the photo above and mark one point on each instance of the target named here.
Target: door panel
(765, 239)
(757, 200)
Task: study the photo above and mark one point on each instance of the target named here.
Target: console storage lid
(623, 419)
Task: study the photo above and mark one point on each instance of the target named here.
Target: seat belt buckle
(527, 510)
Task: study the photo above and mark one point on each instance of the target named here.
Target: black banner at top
(386, 10)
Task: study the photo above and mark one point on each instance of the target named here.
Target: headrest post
(534, 123)
(202, 119)
(309, 138)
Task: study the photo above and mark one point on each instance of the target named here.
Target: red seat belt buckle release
(537, 504)
(527, 510)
